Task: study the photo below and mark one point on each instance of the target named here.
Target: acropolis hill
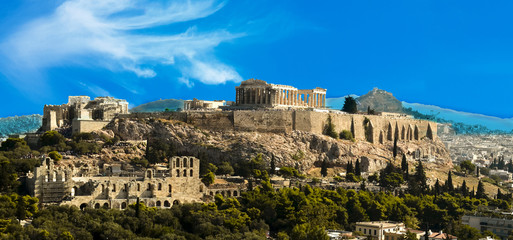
(278, 121)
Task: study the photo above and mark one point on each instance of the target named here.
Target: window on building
(160, 186)
(113, 187)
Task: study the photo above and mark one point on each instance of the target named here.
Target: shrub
(346, 135)
(56, 156)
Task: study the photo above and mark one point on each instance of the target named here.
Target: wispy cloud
(114, 34)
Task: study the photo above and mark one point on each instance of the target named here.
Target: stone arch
(223, 193)
(63, 177)
(381, 138)
(46, 177)
(73, 191)
(177, 161)
(113, 187)
(229, 194)
(149, 174)
(235, 193)
(403, 133)
(83, 206)
(184, 162)
(160, 186)
(191, 163)
(106, 205)
(123, 205)
(217, 192)
(97, 206)
(191, 173)
(211, 193)
(159, 203)
(170, 188)
(103, 188)
(167, 204)
(410, 133)
(138, 187)
(416, 133)
(185, 173)
(390, 132)
(368, 130)
(149, 186)
(54, 176)
(178, 172)
(429, 132)
(176, 202)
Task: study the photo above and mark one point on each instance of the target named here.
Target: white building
(376, 230)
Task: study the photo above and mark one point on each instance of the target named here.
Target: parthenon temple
(254, 92)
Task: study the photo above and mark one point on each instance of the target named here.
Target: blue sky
(453, 54)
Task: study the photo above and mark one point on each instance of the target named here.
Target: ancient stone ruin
(113, 187)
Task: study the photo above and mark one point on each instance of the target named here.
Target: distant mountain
(379, 100)
(159, 106)
(20, 124)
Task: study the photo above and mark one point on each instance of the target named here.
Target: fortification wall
(263, 121)
(88, 125)
(212, 120)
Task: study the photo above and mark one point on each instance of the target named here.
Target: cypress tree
(324, 168)
(349, 168)
(448, 184)
(404, 164)
(357, 170)
(137, 208)
(350, 105)
(477, 171)
(420, 178)
(499, 194)
(272, 171)
(480, 193)
(464, 189)
(437, 187)
(394, 151)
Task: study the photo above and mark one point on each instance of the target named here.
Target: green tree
(225, 168)
(420, 178)
(467, 166)
(409, 236)
(54, 139)
(56, 156)
(12, 143)
(404, 164)
(349, 168)
(329, 128)
(347, 135)
(272, 169)
(324, 168)
(350, 105)
(208, 178)
(394, 150)
(357, 169)
(449, 187)
(480, 193)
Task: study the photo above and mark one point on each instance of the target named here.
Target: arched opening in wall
(191, 173)
(103, 188)
(73, 191)
(176, 202)
(229, 193)
(167, 204)
(123, 204)
(396, 132)
(160, 186)
(83, 206)
(126, 187)
(235, 193)
(185, 173)
(149, 186)
(416, 133)
(191, 162)
(106, 205)
(178, 172)
(223, 193)
(138, 187)
(97, 206)
(46, 177)
(410, 133)
(403, 132)
(47, 160)
(211, 193)
(184, 162)
(54, 176)
(113, 187)
(390, 131)
(368, 130)
(63, 178)
(170, 188)
(159, 203)
(429, 132)
(148, 174)
(177, 162)
(151, 204)
(217, 192)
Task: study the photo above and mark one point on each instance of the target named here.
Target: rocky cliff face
(379, 100)
(299, 149)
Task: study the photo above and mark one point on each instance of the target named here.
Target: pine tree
(481, 191)
(357, 170)
(404, 164)
(499, 194)
(350, 105)
(448, 184)
(324, 168)
(349, 168)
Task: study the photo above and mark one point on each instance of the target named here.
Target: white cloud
(104, 33)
